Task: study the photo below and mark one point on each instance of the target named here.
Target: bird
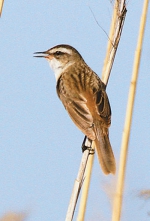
(84, 96)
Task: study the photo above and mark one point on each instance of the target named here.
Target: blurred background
(40, 147)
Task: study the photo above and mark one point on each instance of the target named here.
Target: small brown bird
(84, 97)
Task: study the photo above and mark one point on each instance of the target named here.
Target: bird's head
(60, 58)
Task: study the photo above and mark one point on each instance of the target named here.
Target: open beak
(43, 54)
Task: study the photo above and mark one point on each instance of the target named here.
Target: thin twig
(100, 25)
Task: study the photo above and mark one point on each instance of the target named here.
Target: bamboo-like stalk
(78, 183)
(85, 189)
(114, 38)
(110, 43)
(86, 184)
(1, 6)
(126, 132)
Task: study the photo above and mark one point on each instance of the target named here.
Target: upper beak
(45, 54)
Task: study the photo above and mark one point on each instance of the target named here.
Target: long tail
(104, 151)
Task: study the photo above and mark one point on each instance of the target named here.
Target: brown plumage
(84, 97)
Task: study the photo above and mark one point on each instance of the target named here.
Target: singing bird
(84, 97)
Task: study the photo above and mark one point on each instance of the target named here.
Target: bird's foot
(91, 150)
(87, 145)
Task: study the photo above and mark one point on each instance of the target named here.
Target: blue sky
(39, 145)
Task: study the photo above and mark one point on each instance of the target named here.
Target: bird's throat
(59, 68)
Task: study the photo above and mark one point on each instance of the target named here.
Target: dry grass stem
(78, 183)
(85, 189)
(114, 38)
(126, 132)
(117, 23)
(1, 6)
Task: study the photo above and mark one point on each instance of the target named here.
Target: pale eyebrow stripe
(64, 50)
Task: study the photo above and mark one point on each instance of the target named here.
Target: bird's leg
(87, 145)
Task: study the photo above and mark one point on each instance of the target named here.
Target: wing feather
(103, 107)
(82, 117)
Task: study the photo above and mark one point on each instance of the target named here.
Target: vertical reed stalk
(126, 132)
(114, 38)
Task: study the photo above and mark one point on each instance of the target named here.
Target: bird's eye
(57, 53)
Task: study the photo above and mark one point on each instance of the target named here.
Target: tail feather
(104, 151)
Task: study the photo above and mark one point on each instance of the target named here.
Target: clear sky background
(39, 145)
